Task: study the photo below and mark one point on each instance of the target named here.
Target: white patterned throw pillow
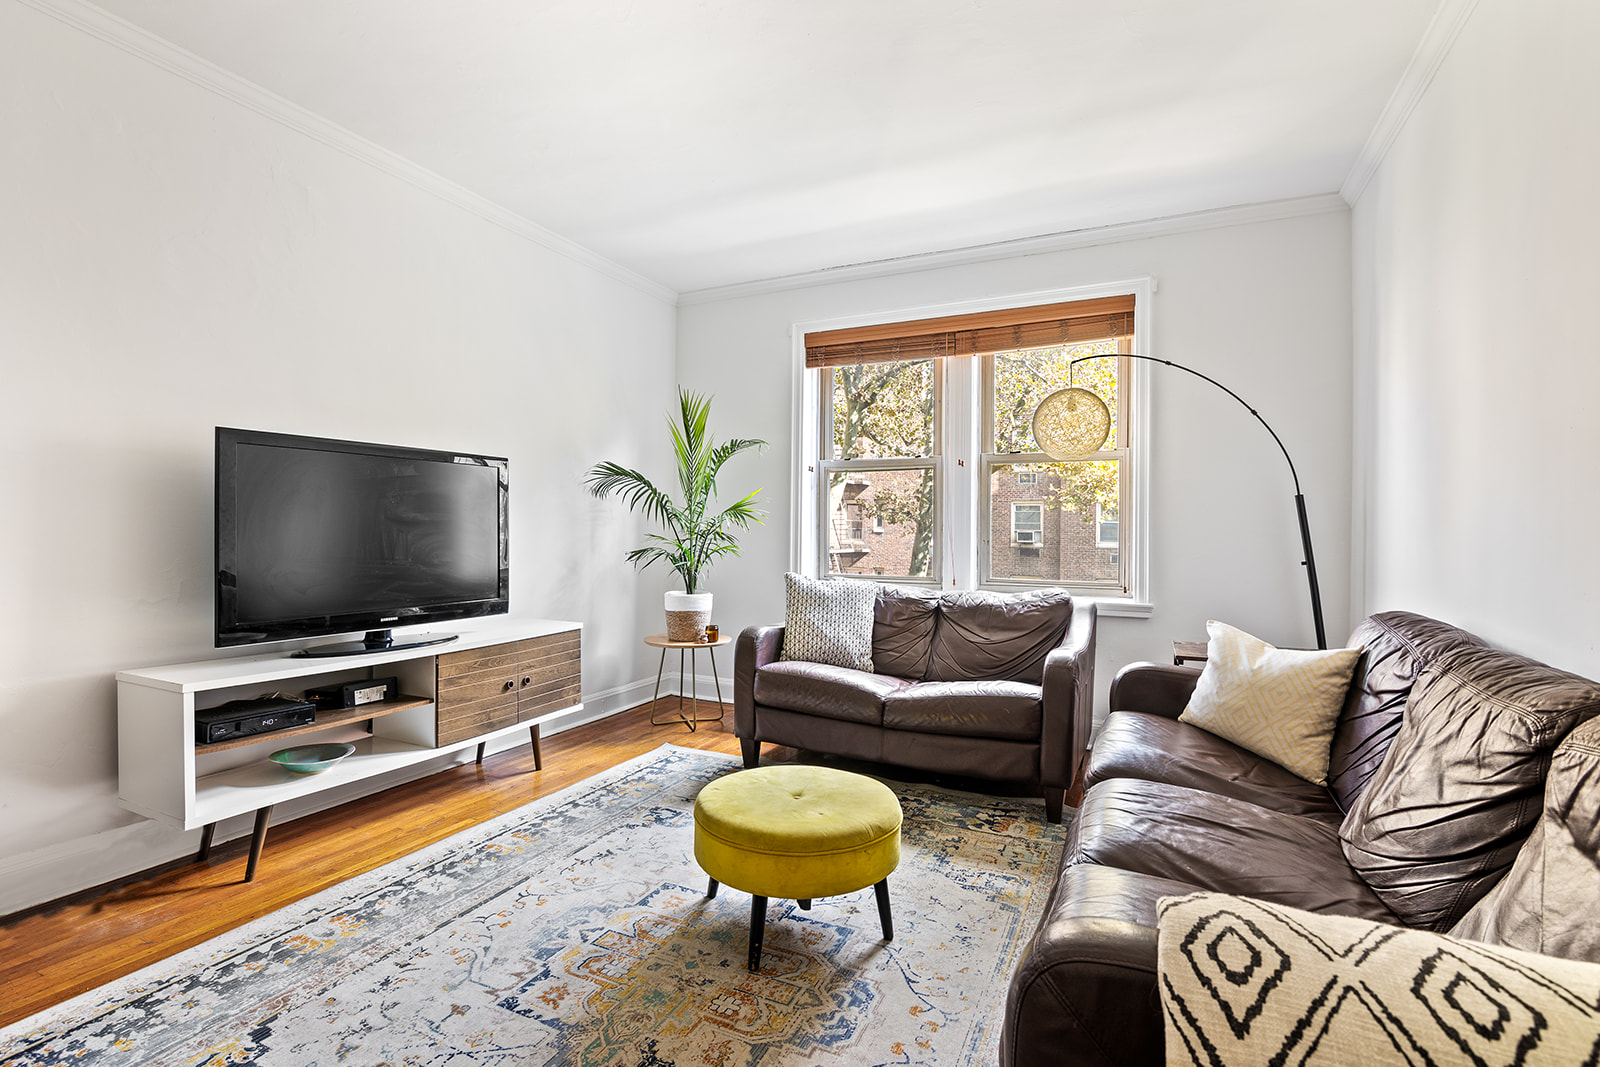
(829, 621)
(1279, 703)
(1247, 983)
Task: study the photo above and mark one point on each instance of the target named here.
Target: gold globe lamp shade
(1071, 424)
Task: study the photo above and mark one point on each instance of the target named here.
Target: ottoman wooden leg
(882, 889)
(758, 926)
(711, 890)
(805, 905)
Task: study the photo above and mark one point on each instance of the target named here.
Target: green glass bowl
(310, 759)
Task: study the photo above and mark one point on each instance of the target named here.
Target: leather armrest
(1084, 992)
(1068, 701)
(1093, 1006)
(756, 647)
(1157, 688)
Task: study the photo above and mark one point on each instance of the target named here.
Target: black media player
(245, 718)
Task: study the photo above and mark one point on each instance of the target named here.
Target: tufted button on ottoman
(797, 833)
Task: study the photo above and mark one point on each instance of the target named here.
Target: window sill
(1122, 608)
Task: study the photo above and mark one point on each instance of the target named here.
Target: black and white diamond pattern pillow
(1245, 983)
(829, 621)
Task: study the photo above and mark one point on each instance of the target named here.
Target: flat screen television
(317, 537)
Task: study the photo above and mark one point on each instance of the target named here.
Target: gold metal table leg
(692, 717)
(657, 694)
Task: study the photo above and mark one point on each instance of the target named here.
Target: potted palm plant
(694, 536)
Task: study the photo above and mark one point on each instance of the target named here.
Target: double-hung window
(920, 431)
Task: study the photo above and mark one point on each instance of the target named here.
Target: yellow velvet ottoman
(797, 833)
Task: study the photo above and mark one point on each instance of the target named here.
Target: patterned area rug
(575, 930)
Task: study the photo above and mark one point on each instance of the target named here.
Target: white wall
(1264, 307)
(1478, 424)
(171, 261)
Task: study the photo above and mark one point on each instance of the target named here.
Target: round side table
(693, 648)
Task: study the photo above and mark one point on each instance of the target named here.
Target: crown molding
(162, 53)
(1216, 218)
(1437, 40)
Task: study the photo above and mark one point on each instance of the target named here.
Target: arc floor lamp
(1072, 424)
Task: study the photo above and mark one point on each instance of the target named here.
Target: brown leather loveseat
(985, 685)
(1463, 797)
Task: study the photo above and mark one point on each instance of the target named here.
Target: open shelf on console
(255, 785)
(325, 718)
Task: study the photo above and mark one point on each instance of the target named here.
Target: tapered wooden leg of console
(205, 842)
(538, 756)
(481, 746)
(257, 840)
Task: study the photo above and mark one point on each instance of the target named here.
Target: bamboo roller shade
(974, 335)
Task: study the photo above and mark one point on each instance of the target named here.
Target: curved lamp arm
(1310, 562)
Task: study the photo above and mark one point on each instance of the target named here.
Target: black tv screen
(317, 536)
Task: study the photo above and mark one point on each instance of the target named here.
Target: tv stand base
(375, 641)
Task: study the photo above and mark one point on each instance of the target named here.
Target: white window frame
(988, 461)
(1016, 538)
(960, 533)
(821, 413)
(1099, 524)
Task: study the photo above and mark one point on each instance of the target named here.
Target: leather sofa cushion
(1004, 710)
(1154, 748)
(1398, 645)
(826, 691)
(1220, 844)
(1461, 786)
(1546, 902)
(997, 635)
(902, 631)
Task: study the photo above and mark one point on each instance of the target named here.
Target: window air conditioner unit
(1027, 537)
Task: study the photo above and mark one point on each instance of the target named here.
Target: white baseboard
(69, 867)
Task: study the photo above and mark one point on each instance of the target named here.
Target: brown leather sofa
(1463, 796)
(984, 685)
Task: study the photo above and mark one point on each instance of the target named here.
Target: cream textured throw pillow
(829, 620)
(1244, 982)
(1279, 703)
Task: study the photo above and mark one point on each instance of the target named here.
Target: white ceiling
(709, 142)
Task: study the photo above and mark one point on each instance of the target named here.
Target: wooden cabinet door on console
(483, 689)
(476, 692)
(551, 677)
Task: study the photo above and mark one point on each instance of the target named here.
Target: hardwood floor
(57, 952)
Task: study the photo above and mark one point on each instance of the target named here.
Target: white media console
(497, 678)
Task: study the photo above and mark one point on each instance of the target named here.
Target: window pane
(1027, 523)
(899, 539)
(1067, 546)
(1108, 531)
(883, 409)
(1022, 379)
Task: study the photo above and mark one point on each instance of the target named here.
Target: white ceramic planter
(687, 615)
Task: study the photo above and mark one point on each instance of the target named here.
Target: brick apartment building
(1030, 536)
